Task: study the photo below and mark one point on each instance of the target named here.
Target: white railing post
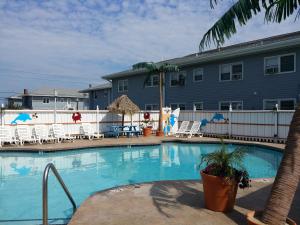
(229, 122)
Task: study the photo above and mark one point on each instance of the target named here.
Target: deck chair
(24, 134)
(41, 133)
(59, 133)
(87, 131)
(194, 130)
(182, 129)
(6, 136)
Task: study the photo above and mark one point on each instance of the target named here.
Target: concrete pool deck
(170, 202)
(123, 141)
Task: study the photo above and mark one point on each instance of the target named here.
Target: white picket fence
(248, 125)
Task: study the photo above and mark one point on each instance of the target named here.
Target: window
(280, 64)
(233, 71)
(62, 100)
(150, 107)
(283, 104)
(46, 100)
(198, 106)
(95, 95)
(153, 81)
(236, 105)
(177, 79)
(177, 105)
(198, 74)
(122, 85)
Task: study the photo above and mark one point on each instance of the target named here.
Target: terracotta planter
(254, 221)
(147, 131)
(159, 133)
(219, 193)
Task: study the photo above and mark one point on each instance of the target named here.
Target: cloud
(75, 42)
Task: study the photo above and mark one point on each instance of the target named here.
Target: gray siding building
(44, 99)
(99, 95)
(250, 76)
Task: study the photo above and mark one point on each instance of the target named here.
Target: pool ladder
(50, 166)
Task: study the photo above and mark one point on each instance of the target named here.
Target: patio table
(127, 130)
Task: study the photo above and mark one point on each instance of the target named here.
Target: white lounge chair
(194, 130)
(41, 133)
(182, 129)
(87, 131)
(24, 134)
(6, 136)
(59, 133)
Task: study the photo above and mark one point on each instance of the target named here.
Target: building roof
(96, 88)
(61, 92)
(19, 97)
(278, 42)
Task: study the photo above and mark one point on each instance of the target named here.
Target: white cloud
(83, 40)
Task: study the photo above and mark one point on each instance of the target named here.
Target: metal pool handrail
(45, 191)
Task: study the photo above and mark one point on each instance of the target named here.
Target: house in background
(254, 75)
(44, 98)
(99, 95)
(14, 102)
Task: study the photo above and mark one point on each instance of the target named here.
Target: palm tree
(287, 178)
(161, 69)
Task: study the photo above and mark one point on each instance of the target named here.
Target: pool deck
(170, 202)
(164, 202)
(123, 141)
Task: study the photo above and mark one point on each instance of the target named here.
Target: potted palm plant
(223, 174)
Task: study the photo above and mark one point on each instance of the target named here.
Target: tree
(161, 69)
(287, 178)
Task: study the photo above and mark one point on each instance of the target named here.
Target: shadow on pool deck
(194, 198)
(170, 202)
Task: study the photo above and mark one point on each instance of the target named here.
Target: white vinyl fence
(248, 125)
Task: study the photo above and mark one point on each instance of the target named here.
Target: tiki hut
(123, 105)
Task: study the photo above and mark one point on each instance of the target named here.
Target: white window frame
(177, 75)
(151, 81)
(279, 101)
(177, 105)
(230, 102)
(194, 107)
(46, 102)
(231, 64)
(122, 81)
(151, 105)
(194, 73)
(279, 64)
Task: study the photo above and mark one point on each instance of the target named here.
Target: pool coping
(90, 144)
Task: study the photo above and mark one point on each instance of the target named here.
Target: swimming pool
(90, 170)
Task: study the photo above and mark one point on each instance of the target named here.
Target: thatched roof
(123, 105)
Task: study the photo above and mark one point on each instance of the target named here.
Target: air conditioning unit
(236, 76)
(271, 70)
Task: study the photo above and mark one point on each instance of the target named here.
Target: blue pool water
(90, 170)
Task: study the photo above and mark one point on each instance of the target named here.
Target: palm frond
(242, 11)
(225, 27)
(149, 66)
(154, 68)
(279, 10)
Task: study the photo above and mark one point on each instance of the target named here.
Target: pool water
(87, 171)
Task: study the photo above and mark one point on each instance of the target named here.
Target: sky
(73, 43)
